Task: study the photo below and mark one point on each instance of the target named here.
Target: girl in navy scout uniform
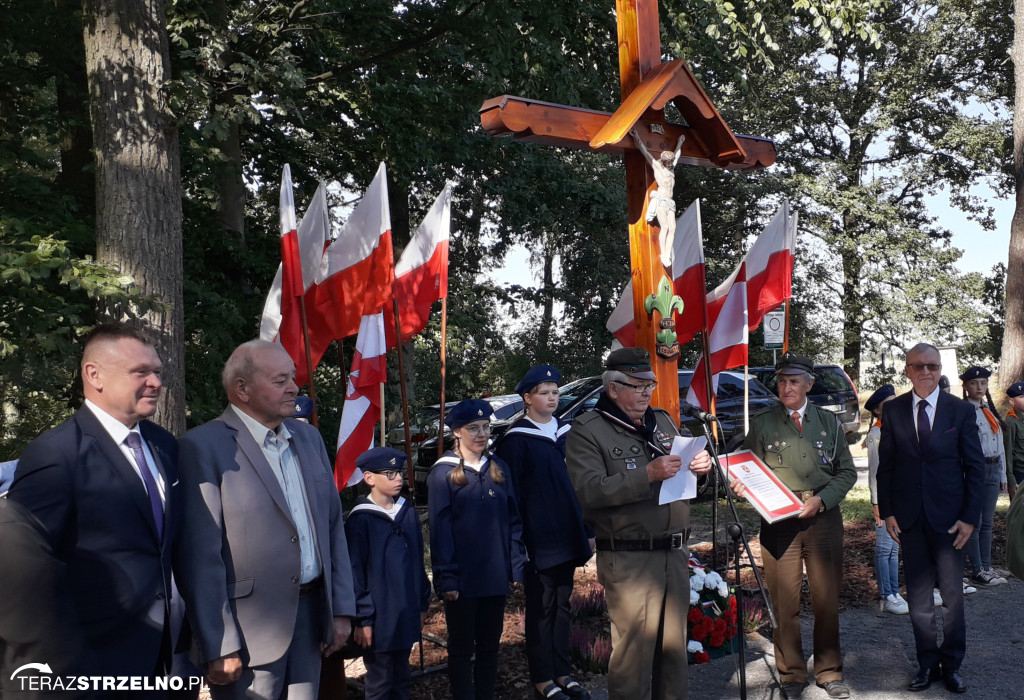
(556, 538)
(476, 548)
(385, 544)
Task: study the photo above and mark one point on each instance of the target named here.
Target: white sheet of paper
(684, 483)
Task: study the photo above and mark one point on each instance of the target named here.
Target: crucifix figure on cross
(662, 205)
(648, 85)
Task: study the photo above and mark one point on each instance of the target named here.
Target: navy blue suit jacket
(942, 483)
(94, 509)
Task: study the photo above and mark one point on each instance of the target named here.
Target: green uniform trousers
(648, 597)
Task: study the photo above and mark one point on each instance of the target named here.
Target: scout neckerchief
(646, 428)
(1011, 414)
(992, 422)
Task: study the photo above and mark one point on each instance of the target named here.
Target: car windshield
(573, 391)
(730, 386)
(830, 380)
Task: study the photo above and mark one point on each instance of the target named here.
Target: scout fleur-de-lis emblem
(549, 373)
(490, 492)
(479, 411)
(666, 303)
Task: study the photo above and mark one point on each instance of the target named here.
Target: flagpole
(440, 417)
(785, 332)
(383, 434)
(314, 419)
(746, 399)
(405, 402)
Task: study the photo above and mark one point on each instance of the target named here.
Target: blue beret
(881, 394)
(380, 459)
(975, 372)
(944, 382)
(303, 407)
(537, 375)
(1015, 390)
(468, 411)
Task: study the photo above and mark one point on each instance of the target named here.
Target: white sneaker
(937, 596)
(895, 605)
(901, 599)
(968, 588)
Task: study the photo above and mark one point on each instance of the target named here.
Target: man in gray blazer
(263, 561)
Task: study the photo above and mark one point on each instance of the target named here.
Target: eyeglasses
(391, 474)
(640, 388)
(921, 366)
(477, 430)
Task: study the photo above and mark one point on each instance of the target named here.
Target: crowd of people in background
(226, 554)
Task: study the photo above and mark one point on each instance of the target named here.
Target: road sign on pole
(774, 329)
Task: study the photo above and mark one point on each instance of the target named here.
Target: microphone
(691, 411)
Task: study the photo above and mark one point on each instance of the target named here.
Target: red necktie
(796, 419)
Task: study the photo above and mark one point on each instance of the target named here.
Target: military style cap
(636, 362)
(791, 363)
(537, 375)
(944, 383)
(303, 407)
(468, 411)
(1015, 390)
(881, 394)
(975, 372)
(380, 459)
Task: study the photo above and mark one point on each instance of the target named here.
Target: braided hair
(458, 475)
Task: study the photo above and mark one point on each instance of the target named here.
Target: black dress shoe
(792, 691)
(574, 690)
(923, 679)
(954, 683)
(835, 689)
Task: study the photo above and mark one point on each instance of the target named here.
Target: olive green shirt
(816, 458)
(1014, 437)
(608, 468)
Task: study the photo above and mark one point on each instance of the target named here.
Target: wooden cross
(647, 86)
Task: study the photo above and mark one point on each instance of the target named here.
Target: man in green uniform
(618, 455)
(804, 445)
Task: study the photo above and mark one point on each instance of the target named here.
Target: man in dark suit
(102, 484)
(265, 568)
(930, 484)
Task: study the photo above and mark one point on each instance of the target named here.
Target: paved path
(878, 652)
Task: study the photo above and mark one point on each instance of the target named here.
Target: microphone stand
(736, 532)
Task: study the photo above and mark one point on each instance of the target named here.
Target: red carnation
(719, 625)
(701, 658)
(699, 632)
(695, 616)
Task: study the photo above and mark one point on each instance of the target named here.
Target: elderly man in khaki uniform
(618, 455)
(804, 445)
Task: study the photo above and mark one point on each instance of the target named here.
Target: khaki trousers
(786, 547)
(648, 597)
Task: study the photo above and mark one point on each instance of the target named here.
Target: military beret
(636, 362)
(380, 459)
(881, 394)
(303, 407)
(975, 372)
(1015, 390)
(944, 383)
(537, 375)
(791, 363)
(468, 411)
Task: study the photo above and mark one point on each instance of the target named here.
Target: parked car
(506, 407)
(833, 390)
(422, 426)
(580, 396)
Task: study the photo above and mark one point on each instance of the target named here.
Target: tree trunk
(76, 159)
(853, 315)
(138, 174)
(548, 303)
(1011, 363)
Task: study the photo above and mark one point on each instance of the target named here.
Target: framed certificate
(769, 496)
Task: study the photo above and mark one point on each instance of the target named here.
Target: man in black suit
(930, 483)
(103, 484)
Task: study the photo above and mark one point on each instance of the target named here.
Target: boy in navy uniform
(392, 591)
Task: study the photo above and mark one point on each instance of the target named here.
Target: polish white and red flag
(357, 270)
(302, 249)
(728, 334)
(769, 265)
(362, 407)
(687, 282)
(421, 275)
